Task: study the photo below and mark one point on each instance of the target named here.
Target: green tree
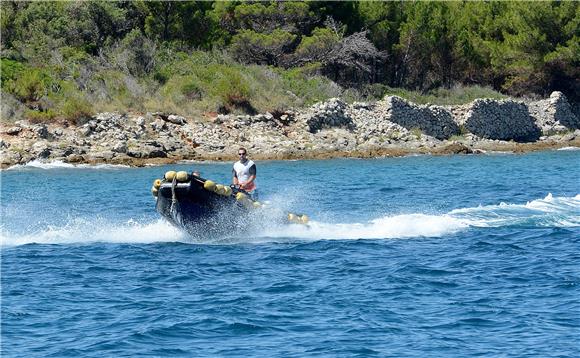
(268, 49)
(186, 22)
(425, 47)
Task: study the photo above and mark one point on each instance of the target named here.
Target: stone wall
(329, 114)
(503, 120)
(554, 115)
(434, 121)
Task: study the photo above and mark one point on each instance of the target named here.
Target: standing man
(245, 173)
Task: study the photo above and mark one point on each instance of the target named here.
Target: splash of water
(547, 212)
(59, 164)
(97, 230)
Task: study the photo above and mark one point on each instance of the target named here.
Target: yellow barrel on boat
(241, 196)
(291, 217)
(157, 183)
(209, 185)
(227, 191)
(182, 176)
(219, 189)
(304, 219)
(170, 175)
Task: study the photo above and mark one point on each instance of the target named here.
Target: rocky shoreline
(330, 129)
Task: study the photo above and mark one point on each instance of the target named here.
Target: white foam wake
(96, 230)
(547, 212)
(398, 226)
(59, 164)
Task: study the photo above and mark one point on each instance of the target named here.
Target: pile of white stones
(554, 114)
(503, 120)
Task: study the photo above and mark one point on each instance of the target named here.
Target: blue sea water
(456, 256)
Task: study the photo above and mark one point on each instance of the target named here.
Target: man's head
(243, 154)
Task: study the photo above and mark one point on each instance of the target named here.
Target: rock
(100, 155)
(75, 158)
(176, 119)
(41, 150)
(363, 105)
(40, 131)
(149, 149)
(85, 130)
(14, 130)
(568, 137)
(9, 158)
(456, 148)
(158, 125)
(120, 147)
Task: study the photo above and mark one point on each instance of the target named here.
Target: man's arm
(235, 177)
(252, 174)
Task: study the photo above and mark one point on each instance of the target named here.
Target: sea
(419, 256)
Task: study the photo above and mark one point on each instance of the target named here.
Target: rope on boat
(173, 210)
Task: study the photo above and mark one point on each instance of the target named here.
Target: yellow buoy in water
(154, 191)
(219, 189)
(227, 191)
(182, 176)
(304, 219)
(209, 185)
(157, 183)
(170, 175)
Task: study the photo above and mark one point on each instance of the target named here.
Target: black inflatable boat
(199, 205)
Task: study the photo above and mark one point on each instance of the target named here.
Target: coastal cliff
(390, 127)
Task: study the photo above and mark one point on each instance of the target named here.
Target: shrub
(76, 110)
(191, 90)
(233, 88)
(10, 70)
(32, 84)
(40, 116)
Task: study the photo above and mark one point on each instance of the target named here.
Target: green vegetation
(67, 60)
(417, 132)
(446, 96)
(457, 138)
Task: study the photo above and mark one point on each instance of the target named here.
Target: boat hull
(199, 211)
